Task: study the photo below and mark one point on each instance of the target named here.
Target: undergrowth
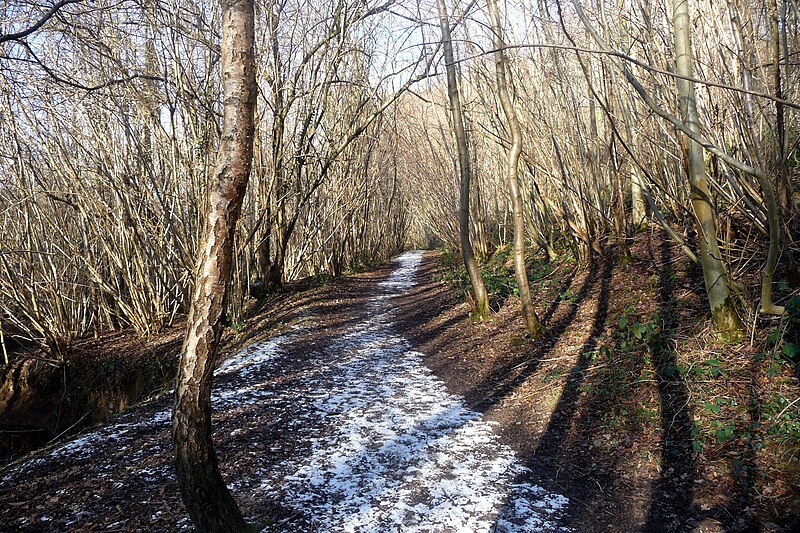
(656, 377)
(497, 272)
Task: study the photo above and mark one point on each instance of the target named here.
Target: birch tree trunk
(723, 312)
(210, 505)
(532, 323)
(478, 287)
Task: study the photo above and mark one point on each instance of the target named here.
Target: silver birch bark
(211, 507)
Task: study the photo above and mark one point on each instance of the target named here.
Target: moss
(481, 312)
(536, 331)
(727, 324)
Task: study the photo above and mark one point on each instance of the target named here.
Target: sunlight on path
(402, 454)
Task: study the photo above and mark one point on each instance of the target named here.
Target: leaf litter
(372, 442)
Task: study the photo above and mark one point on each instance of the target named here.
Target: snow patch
(402, 454)
(252, 358)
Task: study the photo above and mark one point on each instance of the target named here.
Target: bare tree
(210, 505)
(481, 304)
(532, 323)
(37, 23)
(723, 309)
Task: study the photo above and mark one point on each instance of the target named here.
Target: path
(354, 434)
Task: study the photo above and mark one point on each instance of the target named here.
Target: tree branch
(39, 23)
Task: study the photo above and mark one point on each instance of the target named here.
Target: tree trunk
(723, 312)
(638, 198)
(478, 288)
(784, 186)
(773, 215)
(210, 505)
(272, 270)
(532, 323)
(779, 21)
(638, 201)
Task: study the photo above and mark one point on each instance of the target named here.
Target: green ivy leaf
(724, 433)
(791, 350)
(773, 337)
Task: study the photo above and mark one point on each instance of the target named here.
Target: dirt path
(335, 428)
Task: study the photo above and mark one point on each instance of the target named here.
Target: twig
(66, 430)
(785, 408)
(3, 343)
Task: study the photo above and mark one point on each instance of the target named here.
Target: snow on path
(390, 449)
(403, 454)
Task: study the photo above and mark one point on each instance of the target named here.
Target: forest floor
(373, 403)
(630, 406)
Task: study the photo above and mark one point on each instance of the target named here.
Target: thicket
(111, 119)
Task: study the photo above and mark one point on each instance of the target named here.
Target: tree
(532, 323)
(759, 154)
(210, 505)
(723, 310)
(478, 287)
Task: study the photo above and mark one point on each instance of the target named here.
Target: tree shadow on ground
(671, 499)
(672, 507)
(301, 302)
(738, 514)
(553, 461)
(505, 379)
(423, 304)
(565, 285)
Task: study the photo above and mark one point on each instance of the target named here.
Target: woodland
(608, 192)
